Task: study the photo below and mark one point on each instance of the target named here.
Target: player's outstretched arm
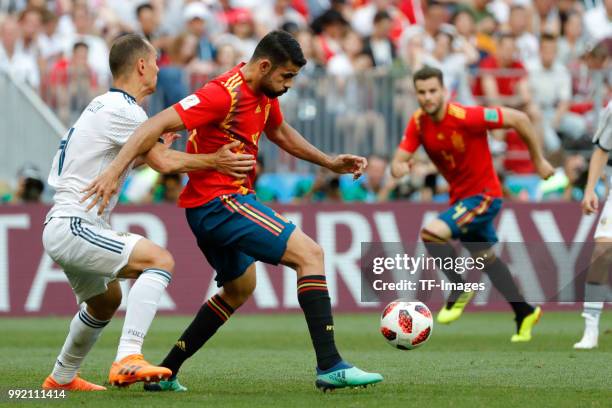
(590, 202)
(291, 141)
(165, 160)
(144, 138)
(400, 165)
(520, 122)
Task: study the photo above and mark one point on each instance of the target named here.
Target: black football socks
(315, 302)
(210, 317)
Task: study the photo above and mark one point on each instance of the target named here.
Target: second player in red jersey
(225, 109)
(459, 147)
(455, 139)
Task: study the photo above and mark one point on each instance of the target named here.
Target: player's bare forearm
(169, 161)
(291, 141)
(400, 165)
(520, 122)
(145, 137)
(598, 162)
(166, 161)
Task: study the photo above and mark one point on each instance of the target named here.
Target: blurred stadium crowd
(549, 58)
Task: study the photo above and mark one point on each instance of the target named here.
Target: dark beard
(271, 93)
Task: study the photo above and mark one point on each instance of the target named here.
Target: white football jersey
(603, 136)
(88, 148)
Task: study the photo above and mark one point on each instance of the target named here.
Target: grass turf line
(268, 360)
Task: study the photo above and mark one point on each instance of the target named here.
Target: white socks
(84, 331)
(141, 308)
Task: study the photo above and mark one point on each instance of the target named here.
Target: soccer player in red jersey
(455, 138)
(232, 228)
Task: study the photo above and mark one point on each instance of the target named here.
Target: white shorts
(604, 225)
(90, 255)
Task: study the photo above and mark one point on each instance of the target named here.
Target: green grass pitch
(267, 361)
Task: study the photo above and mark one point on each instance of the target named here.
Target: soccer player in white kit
(596, 285)
(94, 256)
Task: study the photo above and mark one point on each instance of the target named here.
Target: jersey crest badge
(189, 101)
(491, 115)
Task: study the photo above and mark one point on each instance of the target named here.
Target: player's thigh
(91, 256)
(104, 305)
(146, 255)
(440, 228)
(477, 230)
(228, 261)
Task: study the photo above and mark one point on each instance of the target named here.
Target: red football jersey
(222, 111)
(459, 148)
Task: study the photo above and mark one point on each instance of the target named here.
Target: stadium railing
(30, 129)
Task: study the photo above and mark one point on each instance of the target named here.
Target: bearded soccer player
(455, 139)
(232, 228)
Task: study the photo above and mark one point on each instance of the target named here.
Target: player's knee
(163, 260)
(602, 253)
(239, 294)
(313, 254)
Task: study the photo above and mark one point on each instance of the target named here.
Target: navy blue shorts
(471, 219)
(233, 231)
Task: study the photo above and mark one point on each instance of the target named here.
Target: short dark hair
(381, 15)
(142, 7)
(80, 44)
(125, 50)
(548, 37)
(428, 72)
(279, 47)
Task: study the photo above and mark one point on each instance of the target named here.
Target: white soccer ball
(406, 325)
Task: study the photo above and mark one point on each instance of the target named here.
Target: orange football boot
(135, 368)
(77, 384)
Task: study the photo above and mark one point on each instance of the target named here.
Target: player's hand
(349, 163)
(590, 202)
(101, 190)
(237, 165)
(169, 138)
(401, 168)
(544, 169)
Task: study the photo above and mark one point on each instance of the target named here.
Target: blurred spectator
(324, 187)
(226, 59)
(172, 83)
(30, 22)
(551, 86)
(598, 21)
(328, 41)
(168, 188)
(503, 79)
(49, 39)
(362, 20)
(379, 46)
(84, 32)
(241, 33)
(13, 59)
(72, 83)
(354, 121)
(30, 185)
(465, 27)
(148, 26)
(270, 17)
(375, 186)
(572, 44)
(453, 66)
(196, 17)
(526, 42)
(545, 18)
(265, 192)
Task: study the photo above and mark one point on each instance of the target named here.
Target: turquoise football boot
(171, 384)
(344, 375)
